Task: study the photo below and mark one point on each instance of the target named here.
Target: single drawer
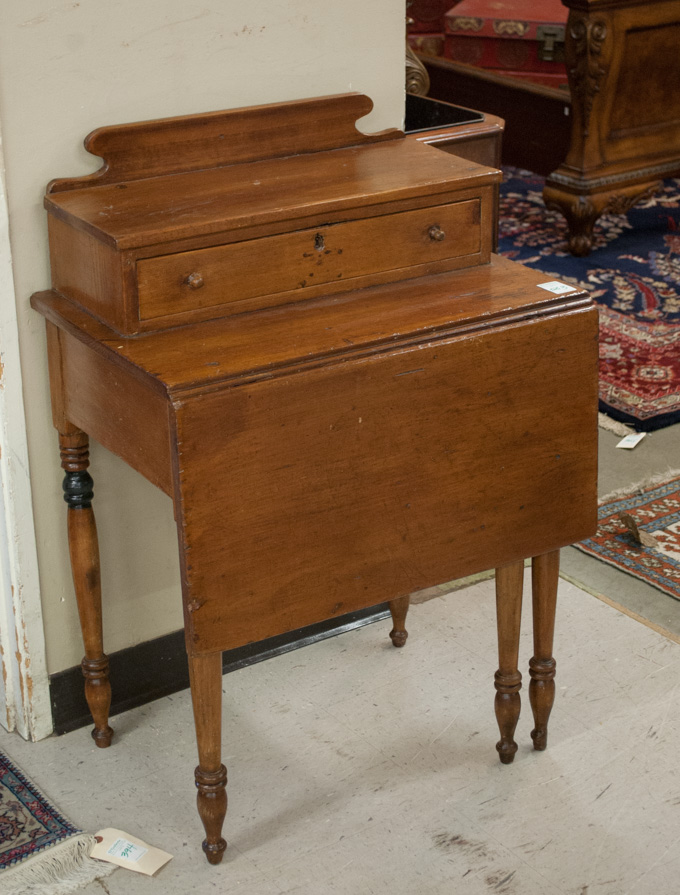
(296, 262)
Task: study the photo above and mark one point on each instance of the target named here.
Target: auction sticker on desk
(120, 848)
(557, 287)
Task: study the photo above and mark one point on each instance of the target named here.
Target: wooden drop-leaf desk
(299, 333)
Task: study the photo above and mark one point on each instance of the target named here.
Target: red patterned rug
(649, 546)
(633, 273)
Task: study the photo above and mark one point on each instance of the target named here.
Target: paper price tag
(117, 847)
(556, 287)
(123, 848)
(631, 441)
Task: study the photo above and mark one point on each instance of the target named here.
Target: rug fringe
(59, 871)
(631, 490)
(606, 422)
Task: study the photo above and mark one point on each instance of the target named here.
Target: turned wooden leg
(399, 609)
(545, 577)
(508, 679)
(205, 673)
(84, 551)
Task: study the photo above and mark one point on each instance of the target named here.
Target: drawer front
(294, 262)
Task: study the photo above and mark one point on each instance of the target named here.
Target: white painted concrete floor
(358, 768)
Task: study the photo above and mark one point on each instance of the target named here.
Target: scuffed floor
(355, 767)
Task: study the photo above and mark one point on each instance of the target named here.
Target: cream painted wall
(67, 67)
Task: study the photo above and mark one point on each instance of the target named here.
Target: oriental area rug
(639, 533)
(633, 274)
(40, 851)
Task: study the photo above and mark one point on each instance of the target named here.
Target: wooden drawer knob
(194, 280)
(436, 233)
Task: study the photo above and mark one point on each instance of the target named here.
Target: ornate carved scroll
(586, 72)
(417, 78)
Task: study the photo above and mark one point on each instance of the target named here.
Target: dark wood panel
(537, 119)
(655, 51)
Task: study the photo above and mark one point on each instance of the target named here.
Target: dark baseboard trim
(142, 673)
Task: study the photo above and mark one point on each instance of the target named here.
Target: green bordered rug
(41, 852)
(649, 546)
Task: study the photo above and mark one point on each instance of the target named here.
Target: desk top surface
(172, 207)
(266, 343)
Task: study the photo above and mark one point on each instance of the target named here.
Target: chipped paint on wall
(24, 690)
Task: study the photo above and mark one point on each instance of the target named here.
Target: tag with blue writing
(123, 848)
(117, 847)
(556, 287)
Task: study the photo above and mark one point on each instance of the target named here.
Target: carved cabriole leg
(399, 609)
(545, 577)
(205, 673)
(84, 551)
(581, 214)
(508, 679)
(583, 210)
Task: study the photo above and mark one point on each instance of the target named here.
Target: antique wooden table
(426, 412)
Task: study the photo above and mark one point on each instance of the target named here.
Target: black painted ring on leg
(78, 489)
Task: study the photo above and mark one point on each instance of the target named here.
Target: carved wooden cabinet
(623, 67)
(299, 333)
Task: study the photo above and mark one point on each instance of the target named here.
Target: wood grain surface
(275, 340)
(211, 139)
(205, 216)
(346, 485)
(155, 210)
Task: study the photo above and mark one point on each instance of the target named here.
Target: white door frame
(24, 685)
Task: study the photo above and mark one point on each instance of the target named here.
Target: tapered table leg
(205, 673)
(399, 609)
(545, 577)
(84, 551)
(508, 679)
